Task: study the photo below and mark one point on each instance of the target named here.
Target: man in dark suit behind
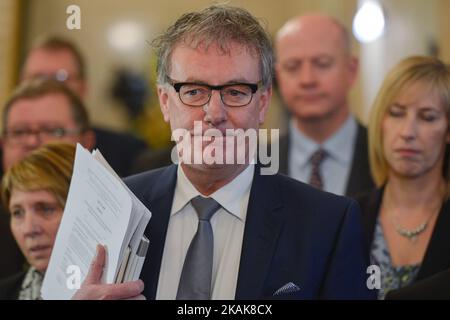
(269, 236)
(120, 149)
(325, 146)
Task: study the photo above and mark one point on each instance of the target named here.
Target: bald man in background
(326, 146)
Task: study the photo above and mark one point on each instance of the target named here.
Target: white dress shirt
(228, 228)
(335, 168)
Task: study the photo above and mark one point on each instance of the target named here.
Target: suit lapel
(437, 257)
(159, 200)
(263, 224)
(284, 154)
(360, 179)
(371, 209)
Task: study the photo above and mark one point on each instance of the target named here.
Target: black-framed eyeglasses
(198, 94)
(20, 136)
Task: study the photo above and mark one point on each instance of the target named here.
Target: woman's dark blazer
(433, 279)
(10, 286)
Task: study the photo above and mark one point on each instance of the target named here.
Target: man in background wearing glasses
(224, 230)
(39, 111)
(53, 57)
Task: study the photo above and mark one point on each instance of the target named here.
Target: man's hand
(93, 289)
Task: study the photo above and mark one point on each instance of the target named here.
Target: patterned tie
(316, 161)
(195, 280)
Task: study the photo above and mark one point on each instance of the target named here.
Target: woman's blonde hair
(427, 70)
(47, 168)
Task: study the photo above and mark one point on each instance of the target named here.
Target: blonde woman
(34, 191)
(407, 218)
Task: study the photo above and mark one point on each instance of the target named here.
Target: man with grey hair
(326, 146)
(225, 231)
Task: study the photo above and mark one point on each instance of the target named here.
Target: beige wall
(442, 12)
(9, 41)
(410, 24)
(48, 16)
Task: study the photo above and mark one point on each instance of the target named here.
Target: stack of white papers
(100, 209)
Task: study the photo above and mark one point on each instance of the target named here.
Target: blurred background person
(58, 58)
(407, 218)
(34, 191)
(12, 259)
(39, 111)
(326, 146)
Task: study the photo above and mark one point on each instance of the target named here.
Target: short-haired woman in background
(34, 191)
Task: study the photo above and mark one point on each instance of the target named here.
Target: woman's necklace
(411, 234)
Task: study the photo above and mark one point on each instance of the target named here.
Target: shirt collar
(32, 278)
(337, 146)
(340, 145)
(230, 196)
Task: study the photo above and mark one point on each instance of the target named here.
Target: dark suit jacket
(293, 233)
(437, 255)
(359, 179)
(436, 287)
(10, 287)
(11, 258)
(153, 159)
(120, 149)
